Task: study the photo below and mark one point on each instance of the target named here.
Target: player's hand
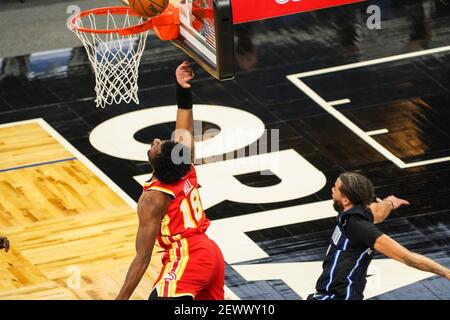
(396, 202)
(4, 243)
(184, 74)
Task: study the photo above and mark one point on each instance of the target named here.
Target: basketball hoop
(114, 38)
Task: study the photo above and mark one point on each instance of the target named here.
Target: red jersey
(184, 216)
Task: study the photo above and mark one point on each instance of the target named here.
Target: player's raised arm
(184, 131)
(151, 208)
(383, 208)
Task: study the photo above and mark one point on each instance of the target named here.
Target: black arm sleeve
(184, 97)
(360, 231)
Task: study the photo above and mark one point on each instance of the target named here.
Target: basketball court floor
(344, 98)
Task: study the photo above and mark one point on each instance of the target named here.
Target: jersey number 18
(192, 210)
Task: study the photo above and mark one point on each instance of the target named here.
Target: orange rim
(168, 17)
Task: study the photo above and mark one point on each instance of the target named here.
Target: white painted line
(124, 196)
(371, 62)
(360, 133)
(377, 132)
(426, 162)
(295, 79)
(12, 124)
(339, 102)
(345, 121)
(229, 294)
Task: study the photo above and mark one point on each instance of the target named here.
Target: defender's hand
(4, 243)
(396, 202)
(184, 74)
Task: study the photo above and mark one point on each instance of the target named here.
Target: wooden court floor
(72, 235)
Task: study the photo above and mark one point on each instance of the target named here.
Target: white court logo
(115, 136)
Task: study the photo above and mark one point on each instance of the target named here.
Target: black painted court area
(409, 97)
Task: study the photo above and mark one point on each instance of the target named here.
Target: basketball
(148, 8)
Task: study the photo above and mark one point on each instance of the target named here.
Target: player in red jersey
(170, 212)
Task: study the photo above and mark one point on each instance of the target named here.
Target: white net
(114, 57)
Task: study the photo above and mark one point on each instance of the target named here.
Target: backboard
(206, 35)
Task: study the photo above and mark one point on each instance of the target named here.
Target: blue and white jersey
(346, 263)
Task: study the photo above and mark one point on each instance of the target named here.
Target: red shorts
(192, 267)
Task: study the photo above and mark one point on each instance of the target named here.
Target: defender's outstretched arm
(392, 249)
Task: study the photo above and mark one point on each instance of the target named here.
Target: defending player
(356, 238)
(170, 210)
